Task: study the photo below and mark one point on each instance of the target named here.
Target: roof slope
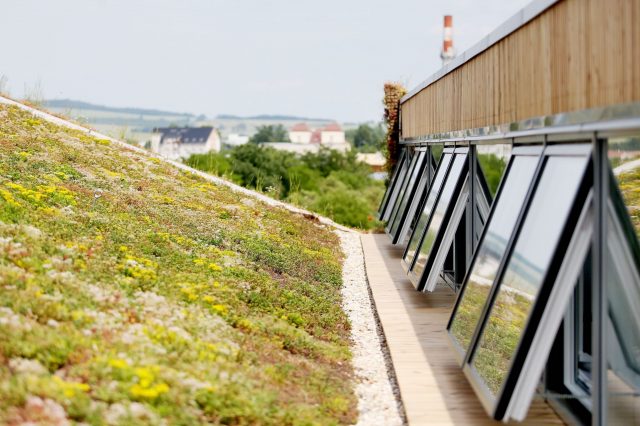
(134, 292)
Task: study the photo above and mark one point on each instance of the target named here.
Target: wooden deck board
(433, 388)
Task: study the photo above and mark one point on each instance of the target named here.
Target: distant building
(180, 142)
(332, 134)
(234, 139)
(300, 133)
(304, 139)
(374, 160)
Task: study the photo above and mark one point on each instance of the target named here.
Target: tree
(366, 138)
(275, 133)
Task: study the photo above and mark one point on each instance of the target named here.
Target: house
(180, 142)
(300, 133)
(304, 139)
(375, 160)
(235, 139)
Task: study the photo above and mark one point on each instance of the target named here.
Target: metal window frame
(392, 183)
(497, 406)
(407, 193)
(535, 151)
(406, 265)
(417, 201)
(419, 281)
(598, 125)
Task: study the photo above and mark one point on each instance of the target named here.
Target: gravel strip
(379, 400)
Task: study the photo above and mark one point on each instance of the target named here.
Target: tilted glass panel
(485, 266)
(406, 193)
(624, 156)
(623, 333)
(400, 181)
(428, 207)
(391, 184)
(436, 151)
(438, 215)
(493, 161)
(416, 202)
(526, 269)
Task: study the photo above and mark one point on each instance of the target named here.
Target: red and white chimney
(448, 52)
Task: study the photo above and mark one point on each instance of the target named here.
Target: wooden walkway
(433, 388)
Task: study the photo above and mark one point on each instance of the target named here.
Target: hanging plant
(393, 92)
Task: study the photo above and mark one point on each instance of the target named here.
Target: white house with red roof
(304, 139)
(300, 133)
(332, 133)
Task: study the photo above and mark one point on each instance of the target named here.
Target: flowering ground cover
(132, 292)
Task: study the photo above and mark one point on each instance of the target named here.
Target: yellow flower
(152, 392)
(118, 363)
(214, 267)
(221, 309)
(123, 248)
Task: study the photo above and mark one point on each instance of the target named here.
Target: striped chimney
(448, 52)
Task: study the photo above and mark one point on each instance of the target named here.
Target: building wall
(300, 137)
(576, 55)
(332, 137)
(213, 142)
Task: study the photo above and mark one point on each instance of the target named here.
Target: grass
(628, 183)
(136, 293)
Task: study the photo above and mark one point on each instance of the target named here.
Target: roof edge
(521, 18)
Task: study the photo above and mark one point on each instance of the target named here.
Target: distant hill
(72, 104)
(269, 117)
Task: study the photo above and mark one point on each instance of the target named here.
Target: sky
(324, 59)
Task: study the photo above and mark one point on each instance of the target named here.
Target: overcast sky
(325, 58)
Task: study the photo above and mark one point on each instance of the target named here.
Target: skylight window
(439, 218)
(417, 201)
(390, 196)
(493, 247)
(406, 194)
(432, 197)
(519, 319)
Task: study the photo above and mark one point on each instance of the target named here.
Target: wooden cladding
(576, 55)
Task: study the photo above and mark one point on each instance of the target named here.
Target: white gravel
(376, 389)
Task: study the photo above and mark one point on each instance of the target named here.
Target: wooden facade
(575, 55)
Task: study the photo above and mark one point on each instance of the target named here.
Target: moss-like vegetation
(135, 293)
(629, 183)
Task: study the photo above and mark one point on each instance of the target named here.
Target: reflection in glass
(490, 253)
(406, 193)
(436, 151)
(493, 161)
(438, 214)
(399, 183)
(623, 289)
(624, 155)
(526, 268)
(428, 206)
(623, 341)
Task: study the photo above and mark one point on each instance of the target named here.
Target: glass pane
(493, 161)
(526, 269)
(417, 202)
(439, 213)
(406, 193)
(428, 207)
(624, 155)
(396, 189)
(436, 151)
(623, 338)
(493, 247)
